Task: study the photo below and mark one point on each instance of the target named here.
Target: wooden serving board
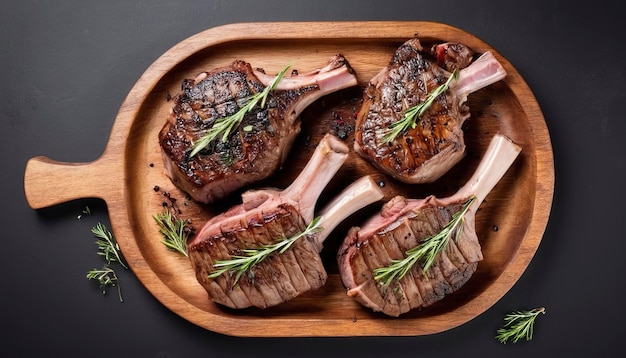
(510, 223)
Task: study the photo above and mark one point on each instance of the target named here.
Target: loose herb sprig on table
(425, 252)
(107, 248)
(223, 126)
(239, 264)
(412, 114)
(173, 232)
(518, 325)
(106, 277)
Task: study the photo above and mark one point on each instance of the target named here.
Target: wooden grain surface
(510, 223)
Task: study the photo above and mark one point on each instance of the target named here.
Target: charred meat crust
(259, 144)
(410, 76)
(276, 279)
(222, 93)
(403, 224)
(360, 256)
(272, 215)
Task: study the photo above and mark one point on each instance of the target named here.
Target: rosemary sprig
(107, 246)
(426, 252)
(410, 115)
(518, 325)
(173, 232)
(223, 126)
(106, 277)
(239, 264)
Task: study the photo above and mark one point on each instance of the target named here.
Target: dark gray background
(66, 66)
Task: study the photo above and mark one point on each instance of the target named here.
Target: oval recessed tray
(510, 223)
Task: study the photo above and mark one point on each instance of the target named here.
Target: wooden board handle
(49, 182)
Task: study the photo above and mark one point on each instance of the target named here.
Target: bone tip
(334, 144)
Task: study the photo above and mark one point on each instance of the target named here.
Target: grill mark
(422, 227)
(223, 167)
(389, 251)
(409, 78)
(233, 247)
(367, 286)
(201, 260)
(389, 240)
(220, 251)
(304, 252)
(296, 276)
(310, 262)
(374, 260)
(273, 264)
(260, 275)
(464, 270)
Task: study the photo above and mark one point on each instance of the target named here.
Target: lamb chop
(271, 217)
(426, 150)
(255, 148)
(405, 226)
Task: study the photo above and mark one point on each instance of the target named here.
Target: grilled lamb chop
(404, 224)
(424, 153)
(268, 216)
(260, 144)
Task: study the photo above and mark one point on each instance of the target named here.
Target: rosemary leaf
(107, 246)
(412, 114)
(173, 232)
(426, 252)
(224, 126)
(239, 264)
(518, 325)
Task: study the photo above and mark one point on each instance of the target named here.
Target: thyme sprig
(107, 248)
(412, 114)
(223, 126)
(239, 264)
(426, 252)
(173, 232)
(518, 325)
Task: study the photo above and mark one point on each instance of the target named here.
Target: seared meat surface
(259, 144)
(269, 216)
(404, 224)
(425, 152)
